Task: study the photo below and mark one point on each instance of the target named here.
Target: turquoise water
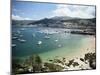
(59, 42)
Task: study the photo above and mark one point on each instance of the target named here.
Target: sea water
(60, 42)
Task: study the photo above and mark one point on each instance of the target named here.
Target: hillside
(86, 25)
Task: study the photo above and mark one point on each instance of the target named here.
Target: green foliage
(91, 57)
(75, 64)
(34, 64)
(70, 62)
(38, 59)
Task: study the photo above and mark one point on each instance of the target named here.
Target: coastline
(88, 48)
(83, 59)
(75, 58)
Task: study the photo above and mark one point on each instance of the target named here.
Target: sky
(35, 11)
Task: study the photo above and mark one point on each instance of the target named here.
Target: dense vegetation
(34, 64)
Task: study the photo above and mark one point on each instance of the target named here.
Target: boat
(47, 37)
(56, 40)
(14, 38)
(39, 42)
(50, 33)
(13, 45)
(22, 40)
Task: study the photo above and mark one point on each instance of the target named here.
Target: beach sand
(88, 48)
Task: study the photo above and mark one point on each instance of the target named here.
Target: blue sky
(35, 11)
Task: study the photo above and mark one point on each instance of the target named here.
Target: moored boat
(22, 40)
(14, 38)
(39, 42)
(13, 45)
(47, 37)
(56, 40)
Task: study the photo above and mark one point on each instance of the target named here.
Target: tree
(35, 62)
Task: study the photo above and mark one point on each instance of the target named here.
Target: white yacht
(14, 38)
(22, 40)
(13, 45)
(47, 37)
(39, 42)
(56, 40)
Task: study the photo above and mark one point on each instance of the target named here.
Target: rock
(91, 57)
(82, 59)
(50, 60)
(92, 64)
(58, 61)
(75, 64)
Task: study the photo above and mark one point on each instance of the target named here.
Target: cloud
(16, 17)
(17, 11)
(74, 11)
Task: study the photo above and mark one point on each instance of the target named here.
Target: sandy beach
(89, 47)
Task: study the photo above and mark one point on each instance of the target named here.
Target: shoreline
(84, 59)
(76, 58)
(90, 48)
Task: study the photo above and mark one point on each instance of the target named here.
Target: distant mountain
(21, 22)
(44, 22)
(62, 18)
(59, 22)
(53, 20)
(87, 26)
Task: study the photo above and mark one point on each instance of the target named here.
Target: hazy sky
(34, 11)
